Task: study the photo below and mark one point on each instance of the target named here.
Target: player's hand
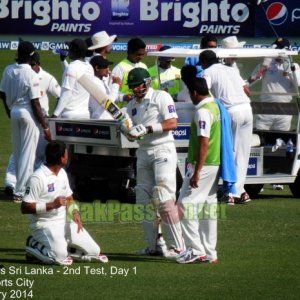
(125, 124)
(59, 201)
(194, 180)
(47, 134)
(77, 220)
(137, 131)
(127, 98)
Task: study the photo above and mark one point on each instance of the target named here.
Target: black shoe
(9, 191)
(245, 198)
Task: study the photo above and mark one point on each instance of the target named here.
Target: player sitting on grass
(48, 199)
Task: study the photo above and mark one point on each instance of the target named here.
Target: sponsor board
(124, 17)
(281, 18)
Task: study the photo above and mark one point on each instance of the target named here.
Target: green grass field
(258, 248)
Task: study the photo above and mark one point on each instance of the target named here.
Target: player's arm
(73, 210)
(63, 101)
(40, 207)
(3, 97)
(37, 111)
(201, 157)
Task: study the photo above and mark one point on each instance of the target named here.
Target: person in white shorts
(48, 199)
(20, 90)
(153, 114)
(226, 84)
(198, 193)
(74, 99)
(48, 86)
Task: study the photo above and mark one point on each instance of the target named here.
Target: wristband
(40, 208)
(46, 129)
(72, 207)
(157, 128)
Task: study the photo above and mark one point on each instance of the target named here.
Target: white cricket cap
(101, 39)
(232, 42)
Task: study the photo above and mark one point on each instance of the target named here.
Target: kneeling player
(48, 200)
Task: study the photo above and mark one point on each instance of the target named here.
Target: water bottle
(60, 51)
(286, 66)
(290, 149)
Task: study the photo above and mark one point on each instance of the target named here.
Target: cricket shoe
(65, 262)
(148, 252)
(97, 258)
(277, 187)
(17, 198)
(245, 198)
(172, 253)
(188, 257)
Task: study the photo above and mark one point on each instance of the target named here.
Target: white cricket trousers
(156, 183)
(25, 135)
(242, 128)
(199, 224)
(58, 236)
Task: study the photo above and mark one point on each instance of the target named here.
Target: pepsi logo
(277, 13)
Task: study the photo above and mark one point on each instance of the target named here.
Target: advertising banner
(128, 17)
(278, 18)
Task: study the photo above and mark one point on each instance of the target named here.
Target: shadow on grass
(136, 258)
(121, 257)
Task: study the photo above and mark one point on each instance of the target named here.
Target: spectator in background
(207, 41)
(165, 76)
(136, 50)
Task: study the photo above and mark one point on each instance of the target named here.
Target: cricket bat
(87, 82)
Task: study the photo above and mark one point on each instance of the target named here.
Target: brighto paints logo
(277, 13)
(63, 16)
(224, 16)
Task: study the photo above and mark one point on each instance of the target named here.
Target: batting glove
(125, 124)
(138, 131)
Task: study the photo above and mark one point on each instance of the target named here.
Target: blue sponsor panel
(182, 132)
(124, 17)
(82, 130)
(255, 164)
(252, 166)
(280, 18)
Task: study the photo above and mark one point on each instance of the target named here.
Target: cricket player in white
(48, 85)
(198, 194)
(227, 85)
(47, 200)
(276, 77)
(74, 99)
(153, 113)
(20, 91)
(109, 84)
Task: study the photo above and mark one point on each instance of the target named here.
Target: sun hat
(232, 42)
(101, 39)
